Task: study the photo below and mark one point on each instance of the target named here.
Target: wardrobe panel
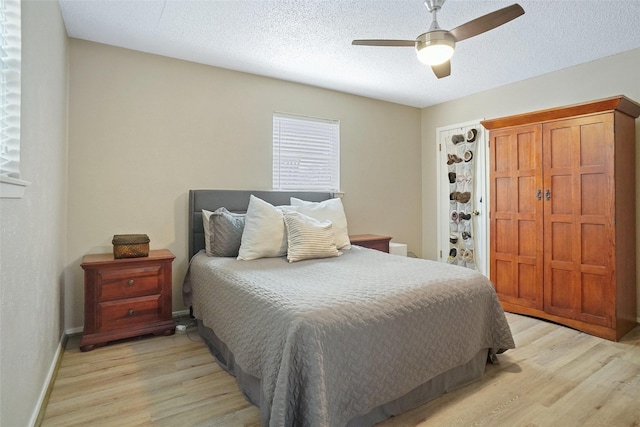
(502, 157)
(561, 191)
(594, 295)
(560, 248)
(561, 148)
(526, 194)
(595, 245)
(504, 236)
(529, 288)
(562, 289)
(504, 280)
(593, 150)
(502, 198)
(526, 151)
(594, 189)
(527, 238)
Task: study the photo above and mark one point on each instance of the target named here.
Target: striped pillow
(309, 238)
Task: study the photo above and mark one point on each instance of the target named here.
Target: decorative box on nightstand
(126, 297)
(371, 241)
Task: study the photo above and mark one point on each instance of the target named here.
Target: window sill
(12, 188)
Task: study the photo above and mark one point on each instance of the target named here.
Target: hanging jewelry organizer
(461, 149)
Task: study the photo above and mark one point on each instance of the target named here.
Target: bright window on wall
(10, 59)
(306, 153)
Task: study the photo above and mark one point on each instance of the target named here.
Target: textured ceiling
(309, 41)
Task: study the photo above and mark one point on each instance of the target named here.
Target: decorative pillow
(206, 215)
(223, 232)
(264, 234)
(331, 210)
(308, 238)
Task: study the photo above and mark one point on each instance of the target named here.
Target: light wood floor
(555, 377)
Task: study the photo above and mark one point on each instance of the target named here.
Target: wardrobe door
(578, 219)
(516, 215)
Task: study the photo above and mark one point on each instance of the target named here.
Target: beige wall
(33, 228)
(615, 75)
(145, 129)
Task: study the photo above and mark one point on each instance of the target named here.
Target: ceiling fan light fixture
(435, 47)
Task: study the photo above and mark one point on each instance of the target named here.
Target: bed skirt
(443, 383)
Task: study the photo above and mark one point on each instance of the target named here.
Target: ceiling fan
(435, 47)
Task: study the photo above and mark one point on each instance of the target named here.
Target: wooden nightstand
(371, 241)
(126, 297)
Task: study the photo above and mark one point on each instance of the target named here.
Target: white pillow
(331, 210)
(308, 238)
(264, 235)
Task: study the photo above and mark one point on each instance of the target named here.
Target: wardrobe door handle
(547, 194)
(539, 194)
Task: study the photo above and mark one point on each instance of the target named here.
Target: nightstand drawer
(122, 313)
(128, 282)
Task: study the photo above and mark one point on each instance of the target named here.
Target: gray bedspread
(333, 338)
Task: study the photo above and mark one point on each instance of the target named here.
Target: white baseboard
(48, 381)
(180, 313)
(74, 331)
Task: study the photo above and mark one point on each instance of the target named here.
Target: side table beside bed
(126, 297)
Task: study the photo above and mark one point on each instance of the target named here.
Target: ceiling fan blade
(487, 22)
(442, 70)
(376, 42)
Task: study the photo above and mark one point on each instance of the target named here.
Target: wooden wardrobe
(563, 215)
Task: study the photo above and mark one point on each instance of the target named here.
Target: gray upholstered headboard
(234, 201)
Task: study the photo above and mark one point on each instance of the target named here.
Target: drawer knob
(131, 313)
(130, 282)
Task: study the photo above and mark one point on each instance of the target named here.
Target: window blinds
(306, 153)
(10, 58)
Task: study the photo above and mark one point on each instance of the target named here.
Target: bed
(348, 340)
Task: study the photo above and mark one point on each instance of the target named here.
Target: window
(306, 153)
(10, 58)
